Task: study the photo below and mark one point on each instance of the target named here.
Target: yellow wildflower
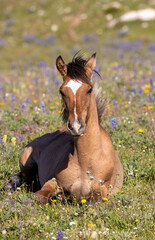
(150, 107)
(109, 107)
(12, 114)
(137, 220)
(54, 200)
(0, 210)
(4, 138)
(145, 90)
(140, 130)
(147, 86)
(91, 225)
(45, 99)
(60, 111)
(51, 107)
(110, 112)
(13, 140)
(2, 104)
(67, 208)
(23, 86)
(83, 201)
(105, 199)
(119, 141)
(53, 128)
(35, 101)
(145, 147)
(56, 102)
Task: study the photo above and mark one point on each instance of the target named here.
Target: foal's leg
(50, 188)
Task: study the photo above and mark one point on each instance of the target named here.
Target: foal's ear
(90, 65)
(61, 66)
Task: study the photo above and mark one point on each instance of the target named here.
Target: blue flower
(134, 91)
(151, 81)
(27, 100)
(141, 92)
(113, 123)
(42, 104)
(23, 107)
(114, 103)
(12, 97)
(60, 235)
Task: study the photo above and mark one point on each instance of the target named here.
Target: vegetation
(30, 105)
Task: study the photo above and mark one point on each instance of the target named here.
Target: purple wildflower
(27, 100)
(1, 88)
(151, 47)
(23, 107)
(12, 97)
(151, 97)
(29, 38)
(42, 104)
(4, 97)
(114, 103)
(113, 123)
(60, 235)
(126, 92)
(2, 43)
(47, 73)
(134, 91)
(134, 70)
(151, 81)
(13, 66)
(141, 92)
(36, 81)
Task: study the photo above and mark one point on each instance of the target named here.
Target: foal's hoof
(41, 198)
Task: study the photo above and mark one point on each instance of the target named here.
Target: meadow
(30, 106)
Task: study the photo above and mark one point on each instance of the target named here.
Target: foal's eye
(62, 94)
(90, 90)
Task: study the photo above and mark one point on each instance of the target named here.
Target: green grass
(130, 213)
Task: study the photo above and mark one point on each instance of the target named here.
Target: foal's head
(76, 91)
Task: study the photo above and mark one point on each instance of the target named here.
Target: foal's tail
(15, 181)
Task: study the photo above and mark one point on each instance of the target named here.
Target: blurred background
(32, 32)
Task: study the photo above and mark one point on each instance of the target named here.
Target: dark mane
(76, 70)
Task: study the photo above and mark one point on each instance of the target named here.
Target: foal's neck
(89, 145)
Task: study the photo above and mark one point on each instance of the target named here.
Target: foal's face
(76, 95)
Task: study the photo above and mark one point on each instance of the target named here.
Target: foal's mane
(76, 71)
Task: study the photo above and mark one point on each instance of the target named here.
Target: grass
(127, 68)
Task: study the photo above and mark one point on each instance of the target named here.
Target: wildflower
(67, 208)
(131, 174)
(91, 177)
(83, 201)
(23, 107)
(137, 220)
(100, 181)
(91, 225)
(12, 97)
(60, 111)
(114, 103)
(141, 92)
(13, 140)
(94, 235)
(145, 90)
(147, 86)
(35, 101)
(72, 223)
(60, 235)
(42, 104)
(140, 130)
(54, 200)
(2, 103)
(151, 97)
(134, 91)
(27, 100)
(145, 147)
(56, 102)
(105, 199)
(88, 172)
(51, 107)
(113, 123)
(151, 81)
(150, 107)
(3, 232)
(119, 141)
(23, 86)
(4, 138)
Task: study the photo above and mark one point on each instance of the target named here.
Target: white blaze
(74, 86)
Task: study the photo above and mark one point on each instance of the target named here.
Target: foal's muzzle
(76, 128)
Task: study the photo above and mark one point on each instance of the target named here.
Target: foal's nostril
(70, 125)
